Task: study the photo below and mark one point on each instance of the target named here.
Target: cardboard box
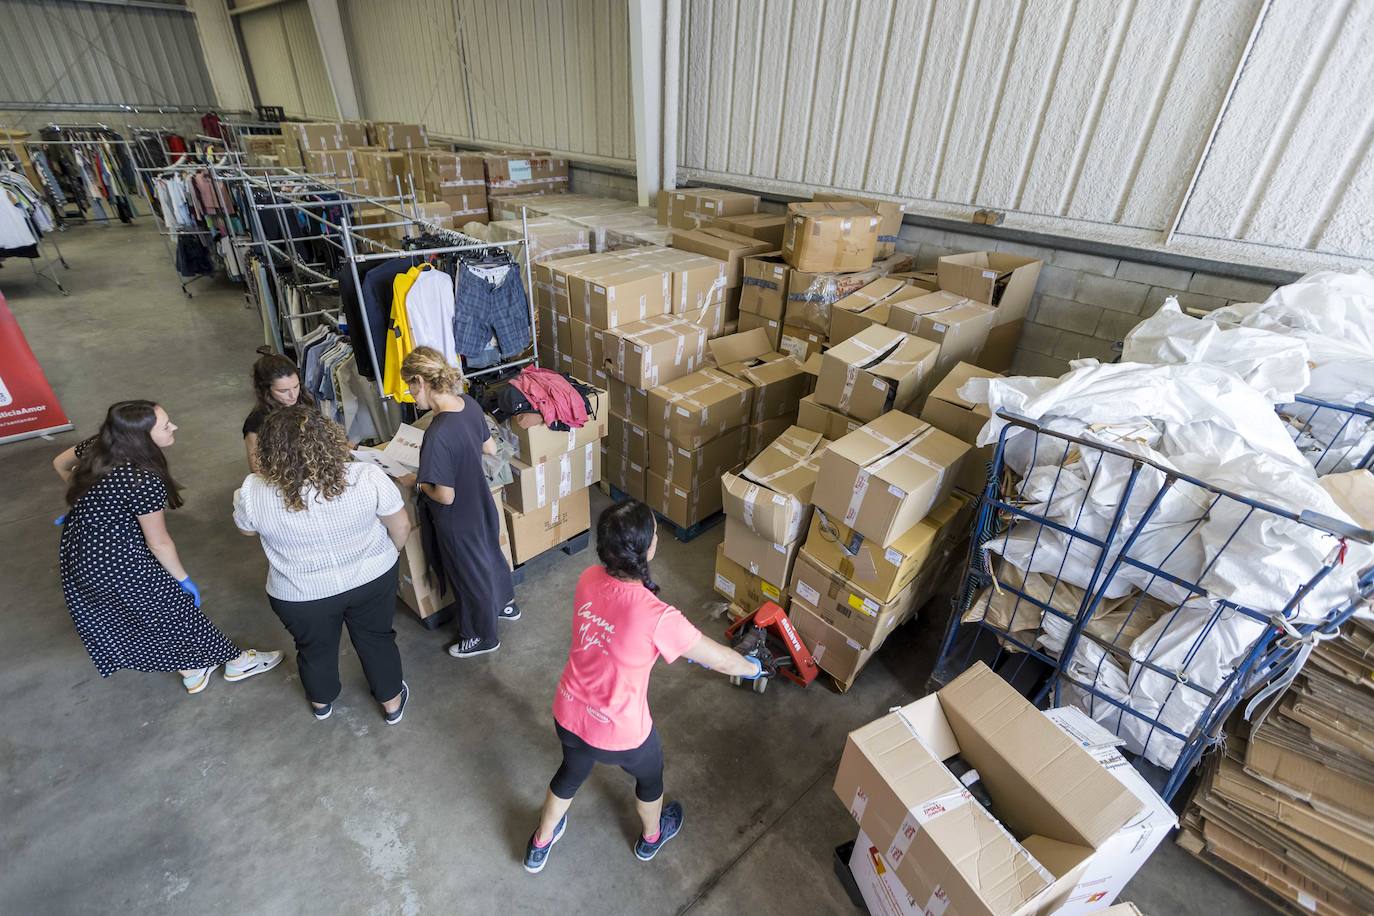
(1005, 281)
(829, 423)
(963, 420)
(696, 468)
(612, 293)
(875, 371)
(779, 381)
(837, 655)
(927, 280)
(860, 616)
(810, 295)
(886, 476)
(680, 506)
(417, 588)
(341, 163)
(722, 245)
(714, 319)
(943, 844)
(772, 496)
(625, 438)
(889, 214)
(317, 136)
(646, 354)
(885, 571)
(532, 533)
(697, 408)
(383, 170)
(958, 324)
(766, 227)
(537, 443)
(882, 893)
(825, 236)
(623, 474)
(865, 307)
(448, 172)
(771, 327)
(629, 403)
(764, 285)
(697, 280)
(800, 343)
(743, 587)
(761, 435)
(769, 561)
(402, 136)
(558, 477)
(691, 208)
(467, 207)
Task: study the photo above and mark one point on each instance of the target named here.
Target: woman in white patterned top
(332, 530)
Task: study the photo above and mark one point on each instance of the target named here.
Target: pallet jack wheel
(735, 681)
(760, 684)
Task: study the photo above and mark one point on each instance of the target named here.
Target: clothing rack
(42, 240)
(104, 138)
(171, 234)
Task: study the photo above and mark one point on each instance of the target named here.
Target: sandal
(258, 663)
(195, 683)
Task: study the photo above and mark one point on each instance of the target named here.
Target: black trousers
(317, 627)
(644, 763)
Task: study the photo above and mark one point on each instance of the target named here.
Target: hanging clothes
(429, 309)
(399, 343)
(15, 231)
(193, 258)
(491, 306)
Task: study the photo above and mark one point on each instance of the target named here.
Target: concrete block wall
(600, 183)
(1084, 304)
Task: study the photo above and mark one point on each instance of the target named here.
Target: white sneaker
(258, 663)
(195, 683)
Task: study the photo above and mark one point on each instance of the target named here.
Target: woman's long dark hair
(123, 438)
(623, 535)
(268, 368)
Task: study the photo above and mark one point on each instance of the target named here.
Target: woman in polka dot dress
(132, 602)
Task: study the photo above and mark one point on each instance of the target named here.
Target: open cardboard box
(958, 324)
(1059, 819)
(697, 408)
(869, 305)
(778, 380)
(875, 371)
(772, 496)
(946, 411)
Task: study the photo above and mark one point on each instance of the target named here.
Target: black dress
(128, 610)
(469, 533)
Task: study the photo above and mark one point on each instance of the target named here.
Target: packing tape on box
(851, 375)
(564, 474)
(590, 459)
(539, 488)
(856, 497)
(918, 817)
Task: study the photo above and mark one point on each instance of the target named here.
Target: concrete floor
(127, 795)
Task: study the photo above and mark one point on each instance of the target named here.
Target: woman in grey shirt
(332, 530)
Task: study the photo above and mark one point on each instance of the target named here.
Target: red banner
(28, 406)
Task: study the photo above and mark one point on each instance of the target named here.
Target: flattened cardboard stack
(1288, 810)
(1070, 819)
(548, 501)
(766, 510)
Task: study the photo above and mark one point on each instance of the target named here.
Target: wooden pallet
(683, 534)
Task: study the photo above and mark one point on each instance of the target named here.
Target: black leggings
(644, 763)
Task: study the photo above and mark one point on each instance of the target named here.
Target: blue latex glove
(60, 520)
(758, 669)
(190, 588)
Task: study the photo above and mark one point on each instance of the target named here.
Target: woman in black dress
(132, 602)
(455, 493)
(276, 384)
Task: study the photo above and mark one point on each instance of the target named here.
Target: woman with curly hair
(332, 531)
(457, 498)
(132, 601)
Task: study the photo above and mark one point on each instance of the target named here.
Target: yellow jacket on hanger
(398, 339)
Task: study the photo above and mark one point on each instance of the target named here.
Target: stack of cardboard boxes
(1063, 824)
(1288, 808)
(523, 172)
(548, 500)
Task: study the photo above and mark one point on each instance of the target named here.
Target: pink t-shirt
(619, 630)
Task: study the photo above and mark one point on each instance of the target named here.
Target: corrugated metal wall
(284, 56)
(547, 73)
(1083, 112)
(56, 53)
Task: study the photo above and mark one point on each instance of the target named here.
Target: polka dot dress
(128, 610)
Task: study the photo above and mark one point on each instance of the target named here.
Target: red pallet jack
(769, 636)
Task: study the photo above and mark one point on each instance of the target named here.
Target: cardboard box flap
(1002, 872)
(1049, 786)
(776, 466)
(880, 439)
(1057, 857)
(742, 347)
(948, 389)
(884, 352)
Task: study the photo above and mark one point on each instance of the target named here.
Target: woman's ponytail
(623, 535)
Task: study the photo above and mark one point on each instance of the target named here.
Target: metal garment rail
(49, 269)
(173, 233)
(1103, 579)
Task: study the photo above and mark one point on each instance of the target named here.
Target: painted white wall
(1085, 118)
(284, 55)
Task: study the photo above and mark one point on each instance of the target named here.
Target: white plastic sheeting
(1204, 421)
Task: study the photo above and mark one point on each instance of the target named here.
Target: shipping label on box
(830, 236)
(875, 371)
(886, 476)
(693, 469)
(697, 408)
(763, 558)
(536, 486)
(649, 353)
(743, 587)
(860, 616)
(772, 497)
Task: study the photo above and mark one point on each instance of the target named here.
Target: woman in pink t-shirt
(601, 710)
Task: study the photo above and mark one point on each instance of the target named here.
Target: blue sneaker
(536, 857)
(669, 823)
